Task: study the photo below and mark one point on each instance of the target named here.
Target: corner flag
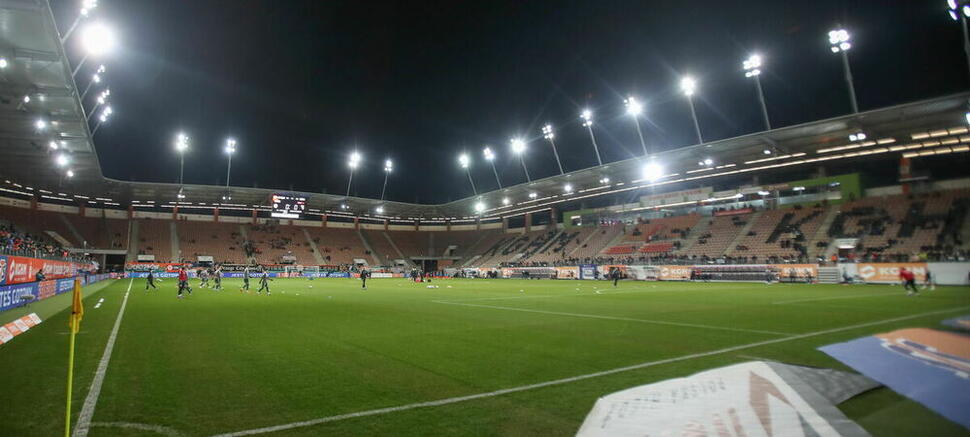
(77, 308)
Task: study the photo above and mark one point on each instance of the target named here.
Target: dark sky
(299, 83)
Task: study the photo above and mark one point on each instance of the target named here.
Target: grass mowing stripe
(819, 299)
(87, 411)
(625, 319)
(501, 392)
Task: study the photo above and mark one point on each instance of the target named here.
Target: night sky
(299, 83)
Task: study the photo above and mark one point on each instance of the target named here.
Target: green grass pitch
(220, 362)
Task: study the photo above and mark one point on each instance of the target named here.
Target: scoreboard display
(288, 206)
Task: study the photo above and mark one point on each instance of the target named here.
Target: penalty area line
(447, 401)
(87, 411)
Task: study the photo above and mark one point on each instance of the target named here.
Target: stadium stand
(279, 244)
(102, 233)
(155, 238)
(339, 246)
(779, 235)
(721, 232)
(222, 241)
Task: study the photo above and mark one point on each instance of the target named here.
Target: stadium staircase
(397, 251)
(58, 238)
(132, 241)
(313, 246)
(581, 244)
(829, 275)
(744, 232)
(821, 234)
(70, 227)
(174, 238)
(367, 246)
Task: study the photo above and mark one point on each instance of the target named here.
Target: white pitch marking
(817, 299)
(87, 411)
(554, 382)
(158, 429)
(625, 319)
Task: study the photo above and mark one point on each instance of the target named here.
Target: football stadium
(512, 218)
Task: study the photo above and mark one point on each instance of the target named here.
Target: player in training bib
(264, 283)
(245, 281)
(217, 275)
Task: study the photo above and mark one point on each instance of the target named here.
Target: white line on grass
(87, 411)
(157, 429)
(817, 299)
(554, 382)
(625, 319)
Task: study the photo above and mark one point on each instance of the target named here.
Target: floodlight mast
(840, 43)
(353, 162)
(181, 144)
(490, 157)
(230, 150)
(388, 167)
(635, 108)
(549, 135)
(465, 162)
(688, 86)
(959, 11)
(587, 117)
(518, 147)
(752, 69)
(95, 78)
(97, 39)
(86, 7)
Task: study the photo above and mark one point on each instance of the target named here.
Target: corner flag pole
(77, 311)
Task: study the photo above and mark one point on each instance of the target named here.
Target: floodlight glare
(489, 155)
(70, 173)
(61, 160)
(464, 160)
(652, 171)
(708, 162)
(952, 4)
(547, 132)
(354, 160)
(181, 142)
(26, 99)
(3, 63)
(98, 39)
(587, 117)
(388, 166)
(479, 207)
(379, 210)
(967, 116)
(688, 85)
(633, 107)
(506, 201)
(518, 146)
(839, 40)
(763, 193)
(766, 151)
(568, 188)
(533, 195)
(53, 145)
(40, 124)
(230, 146)
(605, 180)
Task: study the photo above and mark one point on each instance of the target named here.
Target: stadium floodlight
(857, 136)
(3, 63)
(635, 108)
(799, 188)
(53, 145)
(181, 145)
(388, 168)
(95, 79)
(839, 42)
(549, 135)
(101, 100)
(70, 173)
(604, 180)
(490, 157)
(230, 150)
(752, 69)
(344, 206)
(763, 193)
(954, 8)
(352, 163)
(707, 162)
(967, 116)
(40, 124)
(62, 160)
(568, 188)
(479, 207)
(587, 117)
(465, 161)
(766, 151)
(379, 210)
(518, 148)
(688, 85)
(98, 40)
(653, 171)
(533, 195)
(26, 98)
(86, 7)
(506, 201)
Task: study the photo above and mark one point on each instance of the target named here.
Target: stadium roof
(38, 67)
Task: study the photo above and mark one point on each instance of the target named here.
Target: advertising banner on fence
(567, 272)
(157, 267)
(587, 271)
(20, 269)
(798, 271)
(674, 273)
(889, 272)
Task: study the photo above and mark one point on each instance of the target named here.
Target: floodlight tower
(490, 157)
(465, 161)
(353, 162)
(688, 86)
(230, 150)
(98, 39)
(839, 43)
(95, 78)
(105, 115)
(959, 11)
(102, 100)
(86, 7)
(388, 167)
(635, 108)
(518, 148)
(549, 135)
(587, 117)
(181, 145)
(752, 68)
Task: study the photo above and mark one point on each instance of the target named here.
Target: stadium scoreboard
(288, 206)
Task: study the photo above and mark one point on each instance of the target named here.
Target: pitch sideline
(570, 379)
(87, 411)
